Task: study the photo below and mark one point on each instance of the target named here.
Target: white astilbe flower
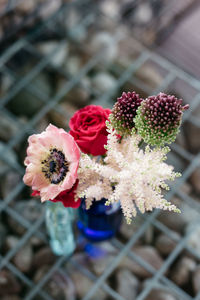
(137, 175)
(94, 180)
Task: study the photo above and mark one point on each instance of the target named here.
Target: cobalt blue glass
(100, 222)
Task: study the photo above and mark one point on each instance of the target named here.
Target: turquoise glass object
(59, 224)
(100, 222)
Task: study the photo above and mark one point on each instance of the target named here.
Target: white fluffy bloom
(137, 175)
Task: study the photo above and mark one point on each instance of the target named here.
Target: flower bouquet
(116, 155)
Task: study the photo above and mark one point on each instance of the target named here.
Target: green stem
(141, 143)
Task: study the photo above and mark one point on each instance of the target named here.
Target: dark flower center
(55, 166)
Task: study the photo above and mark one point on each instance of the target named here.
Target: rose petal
(88, 128)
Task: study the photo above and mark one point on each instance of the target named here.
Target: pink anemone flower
(52, 162)
(67, 197)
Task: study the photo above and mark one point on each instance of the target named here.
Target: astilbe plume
(137, 175)
(124, 112)
(158, 119)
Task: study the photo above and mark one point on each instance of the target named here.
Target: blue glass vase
(59, 224)
(100, 222)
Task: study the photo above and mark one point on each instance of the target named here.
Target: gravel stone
(103, 82)
(10, 297)
(83, 285)
(3, 233)
(127, 230)
(192, 137)
(158, 294)
(23, 258)
(194, 239)
(78, 97)
(40, 273)
(147, 253)
(11, 241)
(104, 42)
(9, 182)
(7, 128)
(27, 104)
(178, 222)
(186, 188)
(8, 283)
(72, 65)
(181, 272)
(44, 256)
(30, 209)
(143, 13)
(11, 158)
(127, 284)
(195, 180)
(196, 280)
(165, 245)
(59, 57)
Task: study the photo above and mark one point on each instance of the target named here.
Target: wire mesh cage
(57, 56)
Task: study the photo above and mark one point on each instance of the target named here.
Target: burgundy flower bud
(124, 112)
(159, 118)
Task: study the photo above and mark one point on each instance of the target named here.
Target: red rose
(89, 129)
(66, 197)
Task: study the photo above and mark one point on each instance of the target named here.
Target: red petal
(35, 193)
(66, 197)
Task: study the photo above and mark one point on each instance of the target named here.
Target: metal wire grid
(165, 16)
(29, 13)
(158, 278)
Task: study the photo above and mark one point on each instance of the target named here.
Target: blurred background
(57, 56)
